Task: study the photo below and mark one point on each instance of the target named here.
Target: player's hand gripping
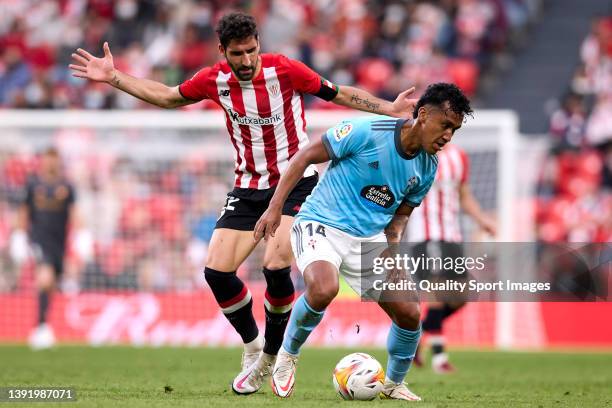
(267, 224)
(93, 68)
(403, 106)
(397, 275)
(489, 226)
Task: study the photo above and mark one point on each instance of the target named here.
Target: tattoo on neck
(372, 106)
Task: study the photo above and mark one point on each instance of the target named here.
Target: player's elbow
(167, 103)
(169, 98)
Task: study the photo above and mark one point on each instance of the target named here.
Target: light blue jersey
(368, 178)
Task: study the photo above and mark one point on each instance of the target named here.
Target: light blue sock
(401, 345)
(303, 320)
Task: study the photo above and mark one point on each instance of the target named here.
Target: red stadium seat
(464, 74)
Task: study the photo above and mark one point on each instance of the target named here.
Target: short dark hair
(236, 26)
(438, 93)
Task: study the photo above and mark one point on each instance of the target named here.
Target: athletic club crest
(274, 89)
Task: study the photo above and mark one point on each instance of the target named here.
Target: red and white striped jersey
(437, 218)
(264, 116)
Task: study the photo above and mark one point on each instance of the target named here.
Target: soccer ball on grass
(358, 376)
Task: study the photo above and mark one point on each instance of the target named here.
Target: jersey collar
(398, 140)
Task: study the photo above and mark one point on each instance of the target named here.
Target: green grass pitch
(199, 377)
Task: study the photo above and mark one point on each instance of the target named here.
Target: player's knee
(320, 294)
(408, 316)
(45, 278)
(220, 261)
(321, 280)
(278, 257)
(279, 261)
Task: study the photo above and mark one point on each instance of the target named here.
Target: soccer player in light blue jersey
(381, 168)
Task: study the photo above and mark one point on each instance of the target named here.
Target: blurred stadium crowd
(384, 46)
(141, 223)
(576, 188)
(158, 214)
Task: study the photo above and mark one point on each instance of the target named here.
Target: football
(358, 376)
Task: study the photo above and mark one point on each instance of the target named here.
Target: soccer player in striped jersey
(436, 229)
(262, 96)
(381, 168)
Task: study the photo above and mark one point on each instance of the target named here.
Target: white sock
(254, 346)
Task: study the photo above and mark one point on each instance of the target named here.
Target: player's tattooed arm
(395, 229)
(314, 153)
(103, 69)
(394, 232)
(356, 98)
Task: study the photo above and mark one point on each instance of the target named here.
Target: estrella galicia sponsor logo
(224, 92)
(379, 195)
(248, 120)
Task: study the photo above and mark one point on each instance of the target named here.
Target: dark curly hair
(438, 93)
(236, 26)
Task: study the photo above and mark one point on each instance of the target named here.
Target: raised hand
(93, 68)
(403, 105)
(489, 226)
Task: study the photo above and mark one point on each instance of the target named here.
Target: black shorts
(48, 255)
(438, 249)
(244, 206)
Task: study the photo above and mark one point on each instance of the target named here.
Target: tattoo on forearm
(116, 81)
(374, 107)
(395, 229)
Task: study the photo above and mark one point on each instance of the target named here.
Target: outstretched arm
(103, 70)
(356, 98)
(270, 220)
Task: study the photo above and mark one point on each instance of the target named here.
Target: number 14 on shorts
(311, 230)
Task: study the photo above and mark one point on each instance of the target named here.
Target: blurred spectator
(567, 124)
(594, 77)
(16, 74)
(577, 184)
(451, 39)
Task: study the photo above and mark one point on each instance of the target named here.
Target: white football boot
(252, 378)
(283, 374)
(393, 390)
(441, 365)
(42, 337)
